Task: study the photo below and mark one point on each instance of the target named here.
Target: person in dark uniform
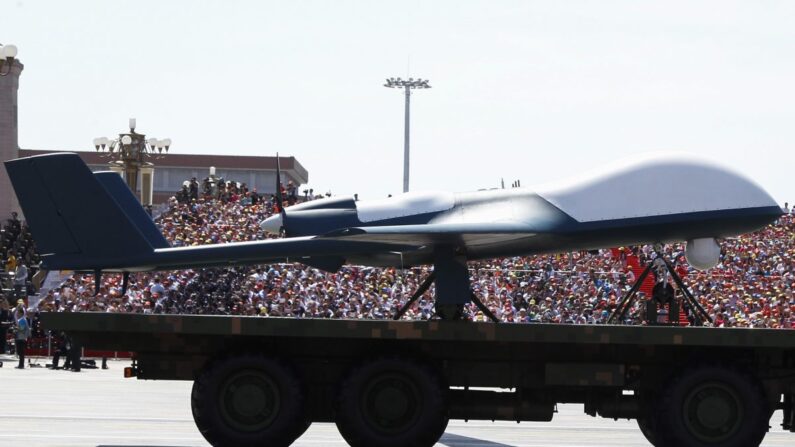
(5, 323)
(67, 364)
(61, 349)
(74, 355)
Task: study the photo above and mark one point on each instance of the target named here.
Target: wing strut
(420, 290)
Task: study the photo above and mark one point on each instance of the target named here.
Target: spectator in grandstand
(292, 192)
(193, 188)
(11, 262)
(6, 321)
(183, 195)
(5, 244)
(14, 224)
(16, 245)
(20, 279)
(156, 287)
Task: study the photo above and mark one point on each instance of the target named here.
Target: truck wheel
(392, 402)
(647, 417)
(303, 428)
(248, 400)
(712, 406)
(647, 430)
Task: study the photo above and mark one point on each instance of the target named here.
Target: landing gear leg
(484, 309)
(701, 314)
(626, 303)
(451, 276)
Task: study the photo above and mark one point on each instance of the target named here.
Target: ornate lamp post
(406, 85)
(7, 55)
(132, 152)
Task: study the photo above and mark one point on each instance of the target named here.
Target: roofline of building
(203, 161)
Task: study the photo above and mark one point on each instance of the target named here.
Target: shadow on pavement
(451, 440)
(448, 440)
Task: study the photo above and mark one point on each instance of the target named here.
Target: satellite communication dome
(703, 253)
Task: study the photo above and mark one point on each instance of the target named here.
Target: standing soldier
(74, 355)
(21, 333)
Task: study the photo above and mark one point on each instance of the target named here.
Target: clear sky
(526, 90)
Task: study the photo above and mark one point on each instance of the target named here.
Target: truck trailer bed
(682, 384)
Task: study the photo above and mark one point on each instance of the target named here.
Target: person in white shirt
(157, 287)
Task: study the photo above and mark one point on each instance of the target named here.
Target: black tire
(647, 418)
(647, 429)
(392, 402)
(711, 406)
(248, 400)
(303, 428)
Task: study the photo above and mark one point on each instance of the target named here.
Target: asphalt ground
(99, 408)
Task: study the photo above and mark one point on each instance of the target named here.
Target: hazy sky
(524, 90)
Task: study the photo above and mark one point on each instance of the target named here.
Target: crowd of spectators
(750, 287)
(18, 257)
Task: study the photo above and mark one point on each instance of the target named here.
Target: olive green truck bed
(262, 381)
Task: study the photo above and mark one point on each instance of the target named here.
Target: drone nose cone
(272, 224)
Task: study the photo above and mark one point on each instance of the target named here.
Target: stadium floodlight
(7, 55)
(407, 86)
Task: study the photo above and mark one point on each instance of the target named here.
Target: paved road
(98, 408)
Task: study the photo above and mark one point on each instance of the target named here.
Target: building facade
(172, 170)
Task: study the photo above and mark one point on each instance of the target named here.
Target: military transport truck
(263, 381)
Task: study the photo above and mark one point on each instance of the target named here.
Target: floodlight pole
(406, 141)
(407, 85)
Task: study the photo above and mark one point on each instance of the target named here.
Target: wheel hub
(249, 400)
(713, 412)
(391, 403)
